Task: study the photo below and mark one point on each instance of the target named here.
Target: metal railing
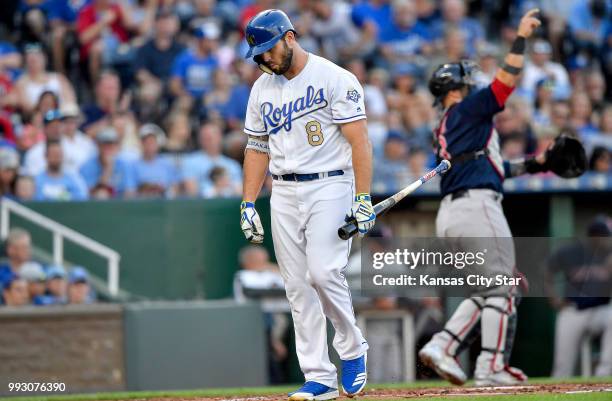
(61, 232)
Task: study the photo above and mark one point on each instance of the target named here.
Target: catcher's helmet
(451, 76)
(265, 29)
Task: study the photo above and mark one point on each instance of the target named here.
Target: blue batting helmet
(265, 29)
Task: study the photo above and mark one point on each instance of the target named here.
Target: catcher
(471, 207)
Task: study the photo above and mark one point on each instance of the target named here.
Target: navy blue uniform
(467, 127)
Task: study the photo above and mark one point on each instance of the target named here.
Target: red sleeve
(85, 19)
(501, 91)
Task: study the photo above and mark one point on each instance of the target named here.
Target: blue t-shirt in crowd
(158, 171)
(122, 179)
(64, 187)
(66, 10)
(156, 61)
(365, 11)
(583, 20)
(6, 275)
(405, 41)
(196, 73)
(7, 48)
(235, 106)
(198, 165)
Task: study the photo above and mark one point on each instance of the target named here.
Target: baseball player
(306, 123)
(471, 207)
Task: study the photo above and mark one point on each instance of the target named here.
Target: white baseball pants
(312, 259)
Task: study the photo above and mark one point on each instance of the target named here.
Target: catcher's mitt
(566, 157)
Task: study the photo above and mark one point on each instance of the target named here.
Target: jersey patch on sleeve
(353, 95)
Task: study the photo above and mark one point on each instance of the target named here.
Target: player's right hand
(363, 214)
(250, 223)
(529, 22)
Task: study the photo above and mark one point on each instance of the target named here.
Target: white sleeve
(253, 123)
(347, 103)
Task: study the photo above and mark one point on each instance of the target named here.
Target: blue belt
(307, 177)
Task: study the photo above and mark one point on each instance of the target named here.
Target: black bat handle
(348, 230)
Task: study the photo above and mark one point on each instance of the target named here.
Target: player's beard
(287, 59)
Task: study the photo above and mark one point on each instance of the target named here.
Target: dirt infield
(406, 393)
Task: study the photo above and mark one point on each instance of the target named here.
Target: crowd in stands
(24, 281)
(146, 98)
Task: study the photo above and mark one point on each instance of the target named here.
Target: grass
(281, 390)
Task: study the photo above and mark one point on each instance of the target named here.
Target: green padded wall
(181, 249)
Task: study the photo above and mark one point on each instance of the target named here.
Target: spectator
(107, 95)
(392, 170)
(19, 251)
(54, 183)
(580, 114)
(589, 25)
(192, 72)
(107, 169)
(539, 67)
(77, 147)
(154, 175)
(260, 280)
(235, 144)
(372, 16)
(34, 161)
(32, 15)
(33, 132)
(103, 27)
(179, 134)
(560, 115)
(454, 16)
(601, 160)
(418, 160)
(25, 188)
(62, 19)
(10, 60)
(16, 292)
(36, 278)
(79, 291)
(36, 80)
(543, 102)
(332, 26)
(413, 104)
(225, 103)
(605, 126)
(154, 60)
(595, 87)
(404, 37)
(514, 122)
(9, 164)
(221, 185)
(57, 286)
(488, 55)
(585, 305)
(198, 166)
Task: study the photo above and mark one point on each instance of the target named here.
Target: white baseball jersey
(302, 117)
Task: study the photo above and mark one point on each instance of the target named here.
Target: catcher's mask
(451, 76)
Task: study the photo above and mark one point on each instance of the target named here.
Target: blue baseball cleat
(314, 391)
(354, 375)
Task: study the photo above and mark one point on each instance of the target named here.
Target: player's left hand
(363, 213)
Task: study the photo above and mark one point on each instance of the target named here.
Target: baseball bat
(350, 228)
